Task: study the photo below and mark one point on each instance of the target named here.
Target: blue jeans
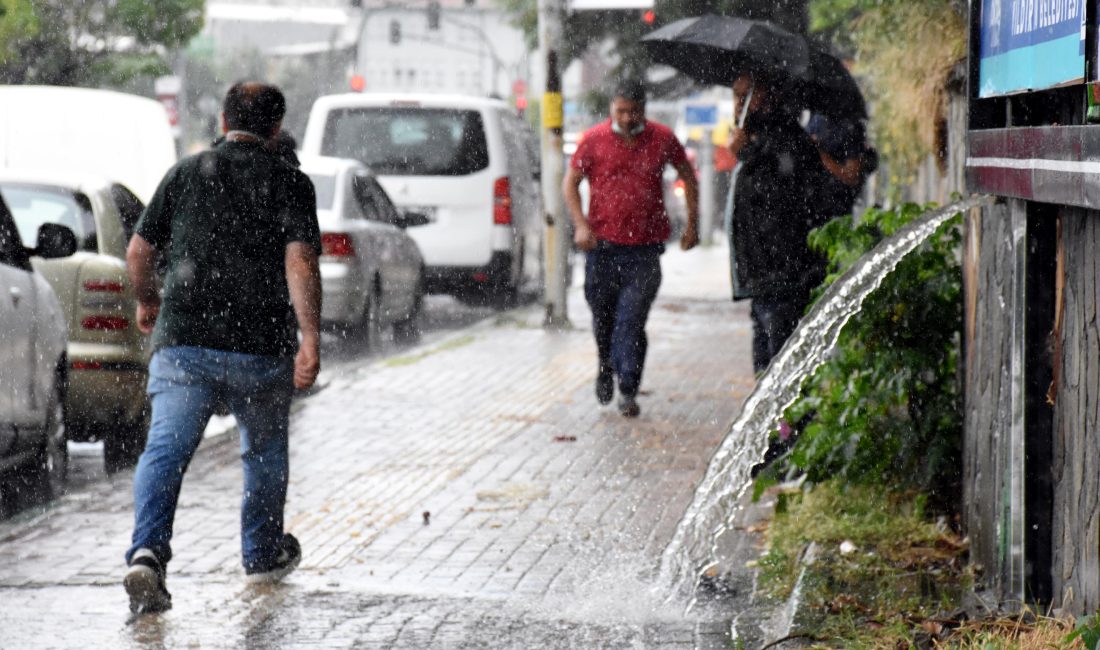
(620, 284)
(185, 385)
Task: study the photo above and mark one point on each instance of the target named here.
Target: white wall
(474, 52)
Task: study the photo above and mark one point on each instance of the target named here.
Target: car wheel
(46, 474)
(504, 296)
(370, 325)
(123, 446)
(407, 330)
(505, 293)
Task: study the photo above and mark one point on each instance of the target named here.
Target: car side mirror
(412, 219)
(54, 240)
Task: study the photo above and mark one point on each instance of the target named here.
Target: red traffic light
(358, 83)
(648, 16)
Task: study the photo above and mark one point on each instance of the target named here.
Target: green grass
(896, 568)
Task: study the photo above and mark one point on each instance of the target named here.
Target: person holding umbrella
(781, 192)
(781, 188)
(624, 232)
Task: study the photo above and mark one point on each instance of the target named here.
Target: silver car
(107, 355)
(372, 273)
(32, 360)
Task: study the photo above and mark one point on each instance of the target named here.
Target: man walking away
(238, 227)
(624, 232)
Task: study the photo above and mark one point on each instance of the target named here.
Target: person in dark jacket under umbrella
(781, 191)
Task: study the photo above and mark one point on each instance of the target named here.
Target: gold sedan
(107, 357)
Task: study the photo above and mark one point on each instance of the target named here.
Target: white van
(468, 164)
(125, 138)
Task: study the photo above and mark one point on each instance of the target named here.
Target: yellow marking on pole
(553, 116)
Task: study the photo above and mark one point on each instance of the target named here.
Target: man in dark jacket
(238, 227)
(779, 194)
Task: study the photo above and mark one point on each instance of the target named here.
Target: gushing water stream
(693, 549)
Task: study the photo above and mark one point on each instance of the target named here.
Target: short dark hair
(255, 107)
(630, 90)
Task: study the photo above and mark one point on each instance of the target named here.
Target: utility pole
(557, 241)
(707, 202)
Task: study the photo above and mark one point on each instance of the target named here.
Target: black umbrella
(828, 87)
(717, 49)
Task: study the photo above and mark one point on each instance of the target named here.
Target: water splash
(693, 549)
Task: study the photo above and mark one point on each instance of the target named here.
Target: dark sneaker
(144, 582)
(605, 384)
(289, 557)
(628, 406)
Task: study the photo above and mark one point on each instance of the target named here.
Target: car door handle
(16, 295)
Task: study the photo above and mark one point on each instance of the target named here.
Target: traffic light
(395, 32)
(648, 16)
(433, 14)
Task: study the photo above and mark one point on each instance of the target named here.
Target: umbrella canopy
(828, 87)
(718, 49)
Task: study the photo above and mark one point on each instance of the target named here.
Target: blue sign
(1030, 45)
(700, 114)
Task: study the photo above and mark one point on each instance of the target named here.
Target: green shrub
(885, 408)
(1087, 630)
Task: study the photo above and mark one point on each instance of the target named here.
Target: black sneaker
(605, 384)
(144, 582)
(289, 557)
(628, 406)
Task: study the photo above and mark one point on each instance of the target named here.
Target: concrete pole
(706, 189)
(556, 243)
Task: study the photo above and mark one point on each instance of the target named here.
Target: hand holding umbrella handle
(743, 113)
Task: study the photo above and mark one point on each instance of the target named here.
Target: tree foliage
(905, 52)
(62, 42)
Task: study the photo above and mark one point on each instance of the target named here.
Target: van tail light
(106, 323)
(108, 286)
(337, 244)
(502, 202)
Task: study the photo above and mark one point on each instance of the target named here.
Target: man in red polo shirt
(624, 232)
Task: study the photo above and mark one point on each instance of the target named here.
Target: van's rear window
(409, 140)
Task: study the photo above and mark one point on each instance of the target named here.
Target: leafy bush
(885, 408)
(1087, 630)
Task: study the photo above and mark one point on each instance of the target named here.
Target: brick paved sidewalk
(470, 493)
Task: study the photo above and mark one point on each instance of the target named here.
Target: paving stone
(532, 540)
